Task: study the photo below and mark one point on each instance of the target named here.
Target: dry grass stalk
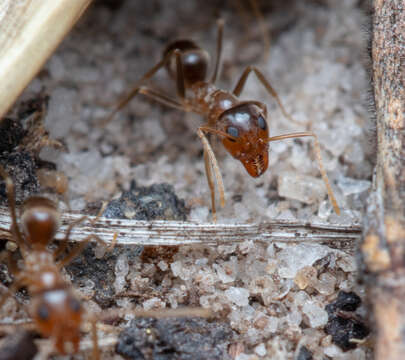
(133, 232)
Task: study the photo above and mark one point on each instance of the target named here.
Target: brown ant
(56, 311)
(241, 125)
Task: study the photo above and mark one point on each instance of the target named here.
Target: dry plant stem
(30, 31)
(383, 246)
(160, 313)
(133, 232)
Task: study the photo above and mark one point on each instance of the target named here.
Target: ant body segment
(241, 125)
(56, 311)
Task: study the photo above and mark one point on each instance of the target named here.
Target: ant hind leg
(262, 24)
(243, 14)
(138, 86)
(220, 26)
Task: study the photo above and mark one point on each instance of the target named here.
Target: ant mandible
(241, 125)
(55, 310)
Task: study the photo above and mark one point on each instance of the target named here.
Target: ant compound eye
(43, 312)
(75, 305)
(233, 131)
(262, 123)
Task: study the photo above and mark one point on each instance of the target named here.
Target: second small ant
(241, 125)
(55, 309)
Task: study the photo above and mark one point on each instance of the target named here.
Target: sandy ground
(316, 64)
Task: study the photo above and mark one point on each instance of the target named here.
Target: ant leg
(7, 255)
(12, 265)
(9, 293)
(241, 84)
(161, 98)
(63, 243)
(80, 247)
(263, 29)
(181, 86)
(21, 279)
(210, 160)
(94, 338)
(210, 181)
(220, 25)
(135, 89)
(242, 12)
(11, 203)
(319, 160)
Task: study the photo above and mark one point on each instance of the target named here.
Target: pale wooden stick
(30, 31)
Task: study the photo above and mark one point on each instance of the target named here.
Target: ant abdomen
(40, 220)
(194, 59)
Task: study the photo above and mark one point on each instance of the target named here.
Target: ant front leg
(211, 163)
(242, 81)
(318, 158)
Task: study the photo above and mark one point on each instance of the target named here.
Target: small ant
(241, 125)
(56, 311)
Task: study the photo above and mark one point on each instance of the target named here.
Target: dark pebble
(180, 339)
(343, 324)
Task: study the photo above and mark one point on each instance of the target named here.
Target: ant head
(195, 61)
(40, 220)
(246, 129)
(58, 314)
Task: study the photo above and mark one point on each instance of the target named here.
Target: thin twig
(169, 233)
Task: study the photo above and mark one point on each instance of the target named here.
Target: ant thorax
(44, 273)
(210, 101)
